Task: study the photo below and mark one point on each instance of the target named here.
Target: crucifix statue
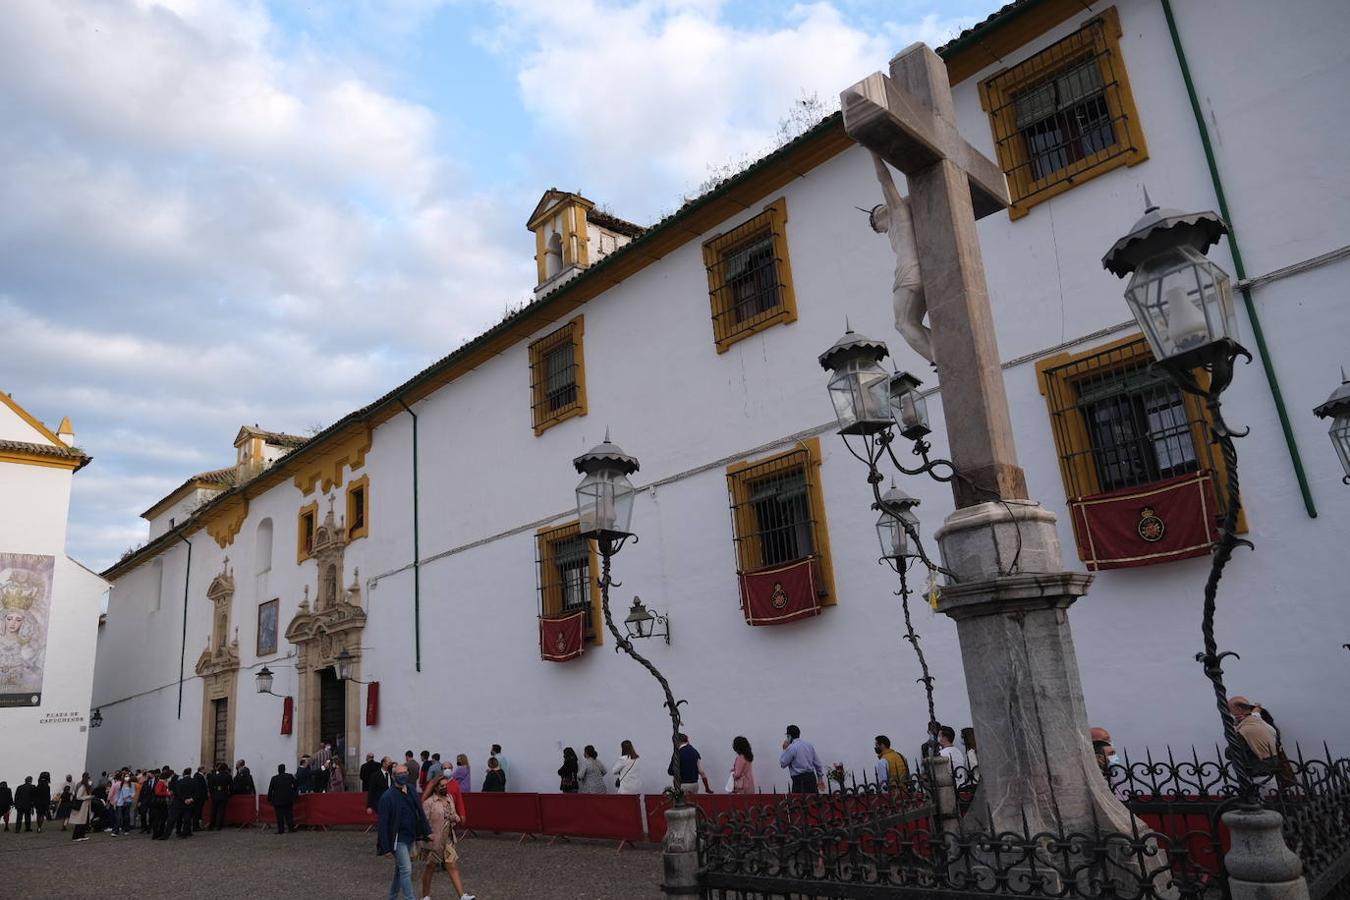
(1008, 592)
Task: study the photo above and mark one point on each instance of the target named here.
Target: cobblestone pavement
(334, 865)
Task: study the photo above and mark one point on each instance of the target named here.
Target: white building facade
(695, 342)
(50, 604)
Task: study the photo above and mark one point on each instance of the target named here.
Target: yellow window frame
(1069, 428)
(310, 510)
(544, 418)
(749, 549)
(362, 485)
(772, 221)
(550, 589)
(1099, 38)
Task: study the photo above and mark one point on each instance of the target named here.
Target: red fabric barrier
(267, 813)
(708, 804)
(517, 813)
(1190, 831)
(342, 808)
(240, 810)
(617, 817)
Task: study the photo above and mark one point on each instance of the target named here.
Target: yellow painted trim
(577, 329)
(362, 484)
(748, 552)
(37, 459)
(551, 592)
(583, 236)
(774, 219)
(303, 553)
(30, 419)
(1099, 36)
(1070, 433)
(225, 521)
(540, 256)
(326, 470)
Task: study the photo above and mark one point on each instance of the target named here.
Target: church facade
(413, 577)
(50, 603)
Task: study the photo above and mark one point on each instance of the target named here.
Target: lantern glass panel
(1340, 437)
(639, 621)
(344, 665)
(264, 679)
(909, 408)
(858, 390)
(605, 503)
(1181, 301)
(894, 540)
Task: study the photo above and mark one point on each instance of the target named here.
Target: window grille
(773, 511)
(1118, 424)
(306, 527)
(749, 277)
(557, 376)
(358, 507)
(1064, 115)
(565, 566)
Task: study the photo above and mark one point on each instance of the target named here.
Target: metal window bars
(554, 374)
(563, 569)
(772, 512)
(1060, 113)
(745, 275)
(1119, 424)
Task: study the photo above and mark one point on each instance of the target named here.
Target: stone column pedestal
(679, 852)
(1010, 602)
(1260, 865)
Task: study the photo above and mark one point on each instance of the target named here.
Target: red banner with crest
(1143, 526)
(562, 637)
(781, 594)
(373, 703)
(287, 714)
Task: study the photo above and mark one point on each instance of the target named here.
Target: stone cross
(907, 119)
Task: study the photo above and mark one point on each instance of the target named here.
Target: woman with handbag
(439, 852)
(567, 772)
(627, 778)
(742, 780)
(592, 772)
(79, 815)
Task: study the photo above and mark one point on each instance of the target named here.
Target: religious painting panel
(25, 597)
(268, 615)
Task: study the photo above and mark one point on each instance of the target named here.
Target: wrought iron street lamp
(263, 681)
(96, 719)
(909, 408)
(643, 623)
(859, 386)
(1183, 304)
(343, 663)
(1337, 409)
(897, 519)
(604, 512)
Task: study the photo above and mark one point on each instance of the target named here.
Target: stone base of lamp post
(1260, 865)
(679, 852)
(1010, 602)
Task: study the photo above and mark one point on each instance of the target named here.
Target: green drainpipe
(417, 548)
(1262, 352)
(182, 651)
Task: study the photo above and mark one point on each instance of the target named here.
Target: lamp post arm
(607, 551)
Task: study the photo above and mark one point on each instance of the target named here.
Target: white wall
(654, 377)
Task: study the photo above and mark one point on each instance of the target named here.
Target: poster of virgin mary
(25, 600)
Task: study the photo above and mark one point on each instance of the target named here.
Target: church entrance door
(220, 749)
(333, 710)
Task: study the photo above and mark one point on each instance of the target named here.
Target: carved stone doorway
(332, 709)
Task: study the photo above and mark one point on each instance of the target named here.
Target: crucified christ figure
(893, 219)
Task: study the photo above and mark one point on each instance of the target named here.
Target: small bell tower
(570, 234)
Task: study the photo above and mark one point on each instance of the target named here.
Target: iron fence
(866, 840)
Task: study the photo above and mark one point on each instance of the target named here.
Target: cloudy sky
(215, 213)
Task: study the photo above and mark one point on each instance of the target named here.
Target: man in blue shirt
(402, 824)
(802, 763)
(691, 766)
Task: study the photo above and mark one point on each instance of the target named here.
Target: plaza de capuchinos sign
(25, 601)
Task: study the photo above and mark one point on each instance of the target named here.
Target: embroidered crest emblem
(560, 642)
(779, 598)
(1151, 528)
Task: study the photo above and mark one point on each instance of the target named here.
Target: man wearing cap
(802, 763)
(1260, 737)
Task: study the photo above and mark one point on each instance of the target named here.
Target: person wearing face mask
(402, 824)
(439, 853)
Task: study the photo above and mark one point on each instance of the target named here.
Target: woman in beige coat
(79, 811)
(439, 852)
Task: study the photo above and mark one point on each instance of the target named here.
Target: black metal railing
(865, 840)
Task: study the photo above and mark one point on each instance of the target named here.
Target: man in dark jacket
(368, 768)
(281, 793)
(184, 799)
(381, 779)
(200, 792)
(24, 800)
(243, 780)
(304, 776)
(402, 824)
(219, 784)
